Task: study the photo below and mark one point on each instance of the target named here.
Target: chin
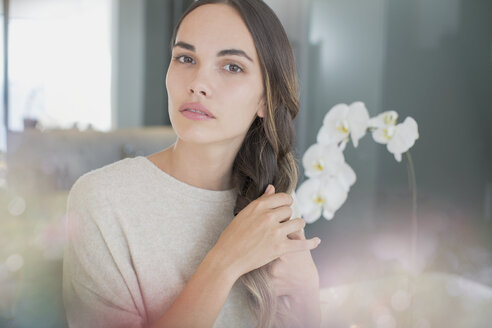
(194, 134)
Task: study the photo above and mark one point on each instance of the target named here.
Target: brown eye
(186, 59)
(234, 68)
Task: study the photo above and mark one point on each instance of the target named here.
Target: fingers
(301, 245)
(272, 200)
(292, 226)
(299, 235)
(280, 214)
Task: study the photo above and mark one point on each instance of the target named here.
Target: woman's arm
(252, 239)
(307, 309)
(203, 297)
(96, 273)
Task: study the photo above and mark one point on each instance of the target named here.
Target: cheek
(172, 81)
(176, 89)
(243, 98)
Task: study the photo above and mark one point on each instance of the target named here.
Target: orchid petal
(358, 118)
(335, 125)
(312, 215)
(380, 136)
(322, 159)
(383, 119)
(346, 176)
(328, 214)
(404, 138)
(336, 113)
(313, 160)
(384, 135)
(310, 199)
(296, 212)
(334, 195)
(328, 134)
(343, 144)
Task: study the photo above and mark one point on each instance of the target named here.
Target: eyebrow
(221, 53)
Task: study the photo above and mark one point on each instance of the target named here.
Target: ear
(262, 109)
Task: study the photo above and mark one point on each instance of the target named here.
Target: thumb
(270, 189)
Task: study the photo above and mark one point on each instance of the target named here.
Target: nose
(203, 92)
(200, 85)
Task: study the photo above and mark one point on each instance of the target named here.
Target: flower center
(319, 165)
(318, 200)
(389, 132)
(342, 126)
(390, 118)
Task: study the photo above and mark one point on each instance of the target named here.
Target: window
(60, 63)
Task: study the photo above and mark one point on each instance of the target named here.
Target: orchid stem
(412, 183)
(413, 190)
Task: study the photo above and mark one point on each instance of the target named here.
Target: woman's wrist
(224, 267)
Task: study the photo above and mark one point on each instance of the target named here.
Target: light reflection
(400, 300)
(395, 246)
(14, 262)
(337, 296)
(454, 287)
(3, 272)
(422, 323)
(3, 173)
(17, 206)
(386, 321)
(50, 240)
(383, 317)
(364, 296)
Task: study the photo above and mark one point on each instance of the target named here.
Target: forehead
(215, 27)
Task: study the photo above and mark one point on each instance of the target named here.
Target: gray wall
(128, 65)
(430, 60)
(439, 70)
(141, 34)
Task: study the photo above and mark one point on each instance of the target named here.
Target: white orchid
(383, 120)
(343, 122)
(399, 138)
(329, 176)
(321, 159)
(318, 196)
(331, 179)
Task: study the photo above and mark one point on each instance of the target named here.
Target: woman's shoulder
(103, 179)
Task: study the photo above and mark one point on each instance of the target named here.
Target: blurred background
(83, 86)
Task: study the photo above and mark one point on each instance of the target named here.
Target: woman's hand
(295, 274)
(258, 234)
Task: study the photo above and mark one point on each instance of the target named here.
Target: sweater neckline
(186, 189)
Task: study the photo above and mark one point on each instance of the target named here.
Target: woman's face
(214, 63)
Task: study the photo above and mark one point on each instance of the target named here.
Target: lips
(197, 107)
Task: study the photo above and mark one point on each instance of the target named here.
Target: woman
(198, 233)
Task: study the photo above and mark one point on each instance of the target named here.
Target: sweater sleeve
(96, 264)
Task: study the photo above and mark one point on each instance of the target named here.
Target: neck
(203, 166)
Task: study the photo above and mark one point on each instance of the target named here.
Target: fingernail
(318, 241)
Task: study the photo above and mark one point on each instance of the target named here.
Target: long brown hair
(266, 154)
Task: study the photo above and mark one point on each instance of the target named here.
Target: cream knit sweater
(135, 236)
